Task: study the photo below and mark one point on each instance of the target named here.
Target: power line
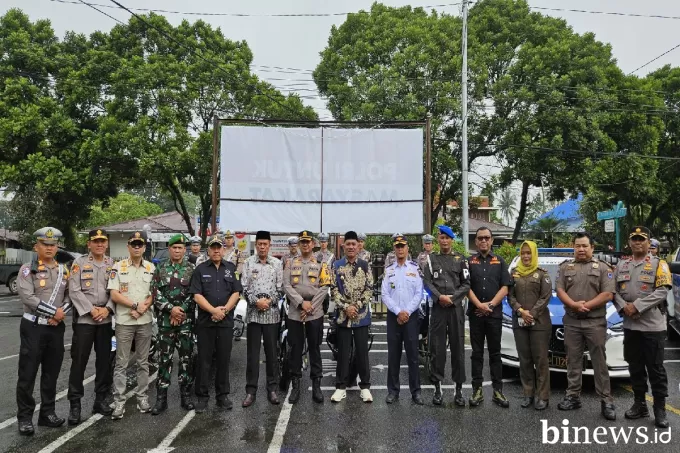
(607, 13)
(654, 59)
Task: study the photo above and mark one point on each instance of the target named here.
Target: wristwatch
(110, 310)
(134, 306)
(491, 305)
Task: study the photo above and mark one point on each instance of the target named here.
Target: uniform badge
(112, 275)
(547, 279)
(623, 286)
(296, 279)
(87, 266)
(42, 283)
(570, 266)
(596, 265)
(25, 272)
(648, 267)
(610, 275)
(392, 285)
(535, 275)
(227, 273)
(436, 275)
(90, 258)
(88, 284)
(644, 287)
(75, 269)
(312, 279)
(123, 287)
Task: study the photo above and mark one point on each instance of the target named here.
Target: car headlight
(507, 320)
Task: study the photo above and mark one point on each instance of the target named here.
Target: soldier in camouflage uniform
(175, 310)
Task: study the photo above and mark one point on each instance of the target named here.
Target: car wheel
(12, 285)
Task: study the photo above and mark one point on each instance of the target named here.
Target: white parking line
(164, 446)
(86, 424)
(17, 355)
(423, 387)
(59, 396)
(281, 426)
(468, 348)
(671, 361)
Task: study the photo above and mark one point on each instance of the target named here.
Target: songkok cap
(640, 231)
(428, 239)
(351, 235)
(97, 234)
(263, 235)
(323, 237)
(443, 229)
(179, 238)
(48, 235)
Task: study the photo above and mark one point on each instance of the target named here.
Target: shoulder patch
(25, 271)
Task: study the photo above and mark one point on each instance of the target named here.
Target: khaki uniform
(325, 257)
(88, 287)
(287, 257)
(585, 281)
(134, 283)
(532, 293)
(233, 256)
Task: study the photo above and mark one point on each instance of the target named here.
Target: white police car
(550, 259)
(674, 296)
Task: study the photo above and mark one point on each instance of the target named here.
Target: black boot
(317, 394)
(638, 409)
(185, 398)
(161, 402)
(100, 406)
(438, 398)
(458, 399)
(74, 413)
(660, 419)
(295, 391)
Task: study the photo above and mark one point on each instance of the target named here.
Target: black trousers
(447, 322)
(644, 353)
(41, 346)
(268, 334)
(406, 336)
(84, 337)
(490, 329)
(345, 337)
(297, 331)
(218, 341)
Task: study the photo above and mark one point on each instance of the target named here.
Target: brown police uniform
(585, 281)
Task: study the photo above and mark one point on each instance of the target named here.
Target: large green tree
(124, 207)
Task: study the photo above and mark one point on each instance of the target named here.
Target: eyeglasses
(136, 245)
(400, 246)
(483, 238)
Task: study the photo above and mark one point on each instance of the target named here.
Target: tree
(122, 208)
(506, 203)
(548, 227)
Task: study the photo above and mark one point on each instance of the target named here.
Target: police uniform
(88, 290)
(217, 284)
(363, 253)
(133, 283)
(644, 284)
(262, 280)
(402, 291)
(448, 275)
(170, 289)
(199, 257)
(422, 258)
(584, 281)
(305, 279)
(488, 275)
(234, 255)
(325, 256)
(43, 291)
(352, 285)
(292, 241)
(532, 293)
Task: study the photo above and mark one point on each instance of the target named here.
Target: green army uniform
(170, 289)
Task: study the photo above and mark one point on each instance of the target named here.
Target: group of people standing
(194, 297)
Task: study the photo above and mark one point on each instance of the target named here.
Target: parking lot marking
(17, 355)
(164, 446)
(281, 426)
(669, 408)
(59, 396)
(86, 424)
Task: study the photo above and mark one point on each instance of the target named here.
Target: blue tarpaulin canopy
(568, 212)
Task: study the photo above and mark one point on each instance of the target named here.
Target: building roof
(168, 222)
(9, 235)
(497, 229)
(568, 212)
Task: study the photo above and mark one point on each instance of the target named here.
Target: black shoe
(500, 399)
(477, 397)
(391, 398)
(527, 401)
(660, 420)
(273, 398)
(295, 391)
(100, 407)
(225, 403)
(50, 420)
(570, 403)
(248, 401)
(608, 410)
(541, 405)
(201, 405)
(317, 394)
(161, 402)
(74, 413)
(185, 400)
(417, 399)
(26, 427)
(637, 410)
(438, 398)
(458, 400)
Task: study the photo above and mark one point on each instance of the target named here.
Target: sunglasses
(483, 238)
(136, 245)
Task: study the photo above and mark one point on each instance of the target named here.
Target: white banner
(332, 180)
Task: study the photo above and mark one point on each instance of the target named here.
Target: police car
(674, 296)
(550, 259)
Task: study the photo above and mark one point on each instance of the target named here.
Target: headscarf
(523, 270)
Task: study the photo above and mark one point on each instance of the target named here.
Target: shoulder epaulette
(568, 260)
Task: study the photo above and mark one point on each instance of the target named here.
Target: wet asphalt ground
(350, 426)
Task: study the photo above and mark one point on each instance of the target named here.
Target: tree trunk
(180, 204)
(522, 211)
(206, 215)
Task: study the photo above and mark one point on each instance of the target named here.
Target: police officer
(216, 288)
(175, 309)
(196, 257)
(91, 325)
(130, 286)
(642, 284)
(262, 287)
(428, 245)
(352, 292)
(448, 281)
(489, 281)
(305, 282)
(391, 257)
(363, 253)
(654, 247)
(402, 292)
(585, 285)
(232, 253)
(43, 291)
(292, 250)
(324, 255)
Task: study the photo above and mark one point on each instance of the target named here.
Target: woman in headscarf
(529, 297)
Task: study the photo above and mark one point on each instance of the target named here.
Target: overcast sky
(295, 42)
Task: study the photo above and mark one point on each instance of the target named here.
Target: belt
(41, 320)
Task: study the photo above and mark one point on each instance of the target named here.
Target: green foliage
(507, 251)
(122, 208)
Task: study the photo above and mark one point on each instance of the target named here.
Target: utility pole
(466, 215)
